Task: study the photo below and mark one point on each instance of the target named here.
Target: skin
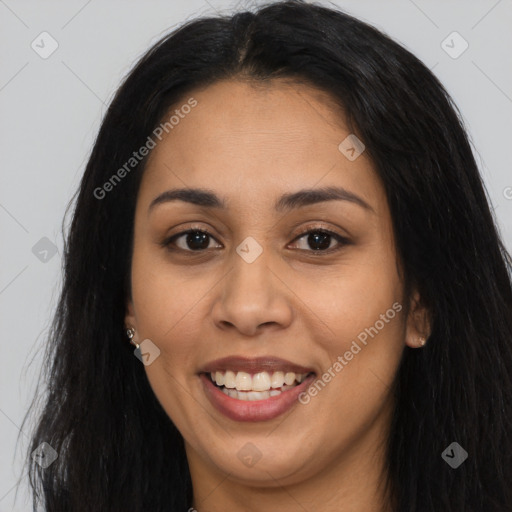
(251, 144)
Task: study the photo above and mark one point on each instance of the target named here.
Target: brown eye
(198, 240)
(192, 240)
(320, 240)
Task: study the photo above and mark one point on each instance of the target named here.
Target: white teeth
(289, 378)
(249, 396)
(259, 382)
(219, 378)
(242, 395)
(229, 379)
(243, 381)
(252, 396)
(258, 395)
(277, 380)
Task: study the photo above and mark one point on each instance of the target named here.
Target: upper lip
(254, 365)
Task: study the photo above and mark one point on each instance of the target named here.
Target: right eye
(191, 240)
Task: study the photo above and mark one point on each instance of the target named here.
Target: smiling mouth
(259, 386)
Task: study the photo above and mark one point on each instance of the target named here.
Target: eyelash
(342, 241)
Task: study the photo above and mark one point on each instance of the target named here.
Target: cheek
(363, 354)
(163, 296)
(359, 325)
(171, 311)
(351, 301)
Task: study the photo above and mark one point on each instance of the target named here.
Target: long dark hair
(117, 448)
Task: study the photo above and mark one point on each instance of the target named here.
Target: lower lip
(256, 410)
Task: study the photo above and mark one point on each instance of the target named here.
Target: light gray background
(50, 112)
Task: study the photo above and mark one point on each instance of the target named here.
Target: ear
(129, 318)
(418, 326)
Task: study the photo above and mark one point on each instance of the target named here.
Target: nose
(253, 295)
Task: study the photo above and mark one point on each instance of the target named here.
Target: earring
(130, 332)
(422, 340)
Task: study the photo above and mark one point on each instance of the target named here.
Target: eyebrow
(305, 197)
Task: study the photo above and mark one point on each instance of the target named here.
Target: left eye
(197, 240)
(321, 239)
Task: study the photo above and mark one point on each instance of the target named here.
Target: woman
(283, 215)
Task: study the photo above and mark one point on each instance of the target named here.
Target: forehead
(257, 140)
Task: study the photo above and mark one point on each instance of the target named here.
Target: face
(305, 285)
